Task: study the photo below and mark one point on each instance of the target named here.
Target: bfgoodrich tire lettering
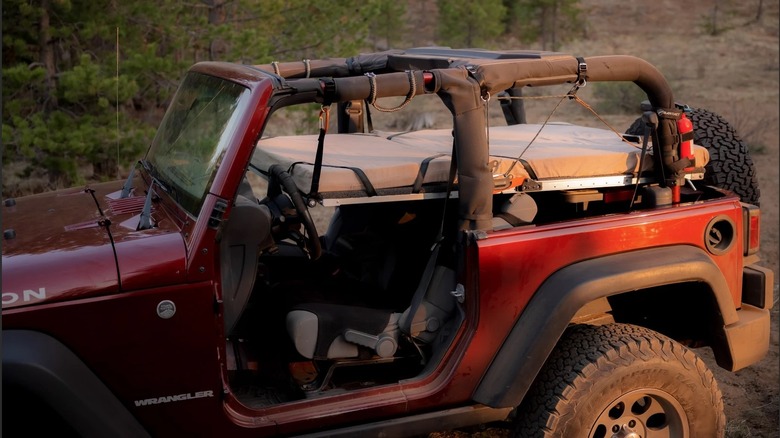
(618, 378)
(730, 166)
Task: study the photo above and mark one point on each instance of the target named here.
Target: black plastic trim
(38, 363)
(756, 291)
(549, 312)
(421, 424)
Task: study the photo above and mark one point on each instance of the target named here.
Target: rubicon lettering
(28, 295)
(174, 398)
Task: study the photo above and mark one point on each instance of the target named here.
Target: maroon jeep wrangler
(251, 278)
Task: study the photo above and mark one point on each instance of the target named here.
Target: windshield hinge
(216, 214)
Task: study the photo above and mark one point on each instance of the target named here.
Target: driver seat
(335, 331)
(246, 232)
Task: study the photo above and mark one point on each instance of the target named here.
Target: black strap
(506, 107)
(369, 123)
(324, 122)
(648, 127)
(529, 169)
(315, 178)
(328, 87)
(526, 166)
(418, 182)
(367, 186)
(582, 70)
(658, 161)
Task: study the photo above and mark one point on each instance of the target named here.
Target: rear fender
(553, 306)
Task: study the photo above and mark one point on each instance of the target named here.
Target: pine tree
(465, 23)
(85, 82)
(548, 22)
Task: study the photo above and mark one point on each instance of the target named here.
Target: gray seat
(520, 209)
(246, 232)
(431, 306)
(334, 331)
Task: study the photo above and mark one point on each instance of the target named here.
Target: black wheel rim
(643, 413)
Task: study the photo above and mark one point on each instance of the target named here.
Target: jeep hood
(71, 244)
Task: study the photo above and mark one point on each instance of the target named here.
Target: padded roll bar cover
(387, 85)
(517, 363)
(498, 75)
(461, 93)
(332, 67)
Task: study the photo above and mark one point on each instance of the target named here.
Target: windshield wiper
(145, 220)
(149, 168)
(128, 186)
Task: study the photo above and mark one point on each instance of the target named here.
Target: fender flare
(45, 367)
(541, 324)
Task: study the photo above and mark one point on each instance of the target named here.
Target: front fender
(552, 307)
(42, 365)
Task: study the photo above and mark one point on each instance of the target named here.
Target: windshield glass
(193, 136)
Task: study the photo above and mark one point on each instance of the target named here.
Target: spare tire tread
(730, 166)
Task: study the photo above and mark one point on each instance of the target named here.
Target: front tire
(625, 381)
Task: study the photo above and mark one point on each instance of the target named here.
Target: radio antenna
(117, 102)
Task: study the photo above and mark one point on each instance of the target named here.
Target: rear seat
(518, 210)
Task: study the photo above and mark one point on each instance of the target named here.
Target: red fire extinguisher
(685, 129)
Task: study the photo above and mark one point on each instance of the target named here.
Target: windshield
(193, 136)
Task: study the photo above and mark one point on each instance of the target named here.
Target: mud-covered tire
(600, 378)
(730, 166)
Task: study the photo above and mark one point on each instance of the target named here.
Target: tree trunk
(759, 11)
(554, 26)
(47, 57)
(217, 16)
(714, 19)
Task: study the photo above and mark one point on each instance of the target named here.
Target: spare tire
(730, 166)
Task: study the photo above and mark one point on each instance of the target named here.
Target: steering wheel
(280, 183)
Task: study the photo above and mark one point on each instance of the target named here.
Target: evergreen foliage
(86, 82)
(466, 23)
(548, 22)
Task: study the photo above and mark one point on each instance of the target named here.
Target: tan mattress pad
(394, 160)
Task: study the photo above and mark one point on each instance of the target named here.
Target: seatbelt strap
(422, 287)
(450, 182)
(430, 267)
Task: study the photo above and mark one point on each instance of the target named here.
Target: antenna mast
(117, 102)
